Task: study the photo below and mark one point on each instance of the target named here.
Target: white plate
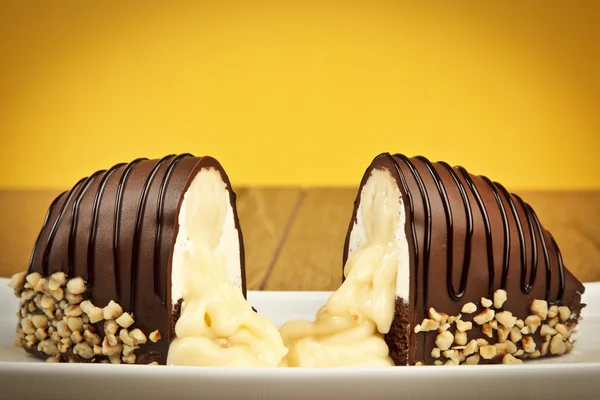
(576, 374)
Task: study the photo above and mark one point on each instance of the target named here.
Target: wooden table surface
(294, 237)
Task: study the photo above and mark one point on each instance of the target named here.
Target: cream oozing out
(349, 329)
(217, 326)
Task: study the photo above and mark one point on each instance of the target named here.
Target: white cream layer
(349, 329)
(217, 326)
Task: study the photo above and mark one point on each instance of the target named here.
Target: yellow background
(302, 93)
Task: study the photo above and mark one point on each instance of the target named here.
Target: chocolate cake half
(119, 255)
(477, 278)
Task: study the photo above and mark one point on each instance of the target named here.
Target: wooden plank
(264, 214)
(22, 213)
(311, 256)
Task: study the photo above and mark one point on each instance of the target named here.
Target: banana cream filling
(217, 326)
(349, 329)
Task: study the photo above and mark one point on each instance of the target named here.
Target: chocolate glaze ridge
(467, 227)
(117, 229)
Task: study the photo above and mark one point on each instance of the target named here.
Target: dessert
(143, 263)
(441, 267)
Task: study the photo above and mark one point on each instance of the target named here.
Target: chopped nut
(481, 342)
(126, 321)
(86, 306)
(459, 347)
(444, 327)
(519, 353)
(83, 350)
(486, 302)
(485, 316)
(39, 321)
(544, 348)
(48, 347)
(547, 330)
(441, 318)
(539, 308)
(27, 295)
(464, 326)
(52, 359)
(57, 280)
(471, 347)
(487, 330)
(460, 338)
(472, 360)
(112, 310)
(114, 359)
(74, 298)
(452, 355)
(488, 352)
(31, 307)
(76, 286)
(499, 298)
(503, 333)
(528, 344)
(91, 338)
(426, 326)
(41, 286)
(77, 337)
(75, 323)
(33, 278)
(525, 330)
(125, 338)
(85, 318)
(154, 336)
(31, 338)
(17, 281)
(58, 294)
(137, 336)
(508, 359)
(109, 350)
(111, 327)
(494, 324)
(557, 345)
(417, 328)
(95, 314)
(506, 318)
(112, 339)
(450, 362)
(127, 350)
(27, 326)
(469, 308)
(444, 340)
(560, 328)
(501, 348)
(533, 322)
(512, 348)
(97, 350)
(564, 313)
(519, 323)
(569, 346)
(73, 311)
(55, 336)
(62, 329)
(552, 322)
(129, 359)
(552, 311)
(453, 319)
(535, 354)
(41, 334)
(47, 302)
(436, 362)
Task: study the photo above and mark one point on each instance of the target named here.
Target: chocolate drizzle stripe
(524, 287)
(159, 221)
(138, 231)
(505, 231)
(544, 249)
(75, 222)
(39, 237)
(487, 225)
(412, 212)
(561, 271)
(534, 249)
(468, 239)
(91, 256)
(55, 225)
(427, 226)
(117, 225)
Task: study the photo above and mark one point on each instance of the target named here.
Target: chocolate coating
(468, 236)
(116, 229)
